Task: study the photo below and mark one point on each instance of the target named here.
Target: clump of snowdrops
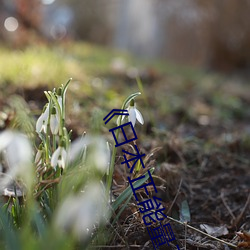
(60, 189)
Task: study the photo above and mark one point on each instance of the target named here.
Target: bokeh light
(48, 2)
(11, 24)
(58, 31)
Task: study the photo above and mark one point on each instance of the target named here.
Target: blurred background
(212, 34)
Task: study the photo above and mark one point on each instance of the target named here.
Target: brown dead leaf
(245, 236)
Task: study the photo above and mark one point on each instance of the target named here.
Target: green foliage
(66, 206)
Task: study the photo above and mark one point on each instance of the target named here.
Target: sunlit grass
(37, 65)
(49, 64)
(41, 64)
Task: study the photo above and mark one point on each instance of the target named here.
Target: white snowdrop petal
(39, 123)
(66, 215)
(54, 124)
(77, 147)
(139, 116)
(61, 163)
(19, 151)
(64, 154)
(18, 155)
(5, 138)
(63, 158)
(79, 213)
(132, 115)
(55, 156)
(101, 155)
(44, 127)
(46, 113)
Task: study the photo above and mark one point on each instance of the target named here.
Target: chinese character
(136, 158)
(123, 132)
(148, 206)
(116, 112)
(142, 186)
(158, 235)
(169, 232)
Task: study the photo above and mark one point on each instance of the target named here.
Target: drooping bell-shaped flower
(134, 114)
(42, 122)
(100, 154)
(17, 151)
(59, 157)
(80, 214)
(54, 121)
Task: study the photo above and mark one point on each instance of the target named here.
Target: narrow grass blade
(128, 191)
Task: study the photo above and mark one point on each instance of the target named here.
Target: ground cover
(196, 133)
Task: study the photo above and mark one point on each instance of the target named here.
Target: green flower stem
(47, 137)
(46, 150)
(112, 164)
(54, 142)
(66, 136)
(63, 100)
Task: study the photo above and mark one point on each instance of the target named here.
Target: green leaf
(65, 87)
(185, 212)
(39, 222)
(11, 237)
(122, 208)
(128, 191)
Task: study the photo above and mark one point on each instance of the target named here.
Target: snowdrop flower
(134, 113)
(54, 121)
(42, 122)
(59, 157)
(17, 152)
(77, 149)
(79, 214)
(98, 152)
